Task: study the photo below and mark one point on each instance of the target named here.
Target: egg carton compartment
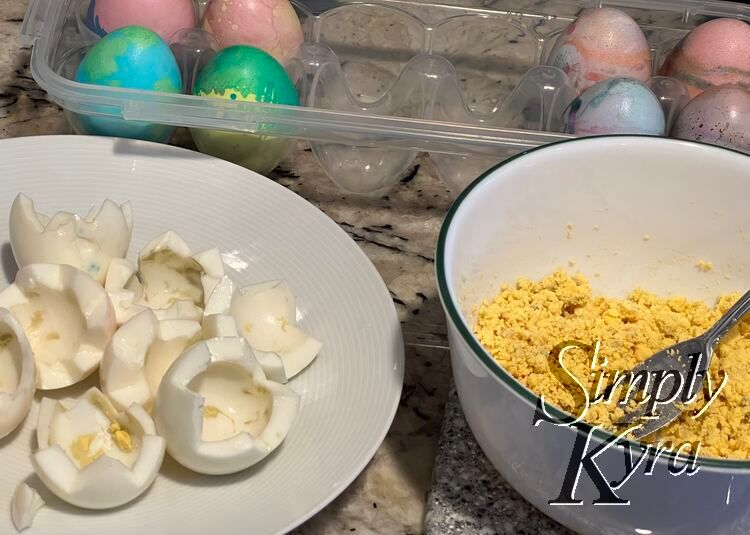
(379, 82)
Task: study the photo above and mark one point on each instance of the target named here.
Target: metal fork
(676, 358)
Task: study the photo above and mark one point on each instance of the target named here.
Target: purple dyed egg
(720, 115)
(616, 106)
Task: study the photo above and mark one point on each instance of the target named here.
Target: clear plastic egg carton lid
(381, 82)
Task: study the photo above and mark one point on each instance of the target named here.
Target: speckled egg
(165, 17)
(601, 44)
(271, 25)
(245, 73)
(715, 53)
(719, 115)
(134, 58)
(615, 106)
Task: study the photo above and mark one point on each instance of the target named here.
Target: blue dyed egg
(134, 58)
(616, 106)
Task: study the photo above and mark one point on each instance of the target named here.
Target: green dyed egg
(248, 74)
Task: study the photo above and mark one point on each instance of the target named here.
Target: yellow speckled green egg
(132, 57)
(245, 73)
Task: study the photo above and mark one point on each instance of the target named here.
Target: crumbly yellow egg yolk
(87, 448)
(121, 437)
(527, 320)
(81, 450)
(85, 454)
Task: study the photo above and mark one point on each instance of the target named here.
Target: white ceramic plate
(349, 394)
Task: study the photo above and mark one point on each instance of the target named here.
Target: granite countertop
(397, 231)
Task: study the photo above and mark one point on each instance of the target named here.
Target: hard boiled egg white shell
(24, 506)
(169, 273)
(266, 314)
(218, 412)
(67, 317)
(17, 373)
(139, 354)
(127, 302)
(94, 457)
(89, 243)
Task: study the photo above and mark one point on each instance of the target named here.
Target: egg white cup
(168, 257)
(218, 412)
(126, 292)
(17, 373)
(88, 244)
(67, 317)
(139, 354)
(106, 481)
(266, 315)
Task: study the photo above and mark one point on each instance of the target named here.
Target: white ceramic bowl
(692, 200)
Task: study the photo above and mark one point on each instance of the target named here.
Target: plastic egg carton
(380, 82)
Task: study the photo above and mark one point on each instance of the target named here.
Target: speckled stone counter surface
(469, 496)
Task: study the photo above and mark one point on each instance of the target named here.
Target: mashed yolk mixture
(525, 321)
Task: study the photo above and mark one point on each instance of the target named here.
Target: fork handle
(727, 321)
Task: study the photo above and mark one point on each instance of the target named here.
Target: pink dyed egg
(715, 53)
(719, 115)
(164, 17)
(271, 25)
(601, 44)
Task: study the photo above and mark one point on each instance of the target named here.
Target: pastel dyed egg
(246, 74)
(271, 25)
(600, 44)
(134, 58)
(616, 106)
(720, 115)
(165, 17)
(714, 53)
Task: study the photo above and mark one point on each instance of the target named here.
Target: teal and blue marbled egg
(134, 58)
(616, 106)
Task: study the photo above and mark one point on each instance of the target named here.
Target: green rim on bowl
(490, 363)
